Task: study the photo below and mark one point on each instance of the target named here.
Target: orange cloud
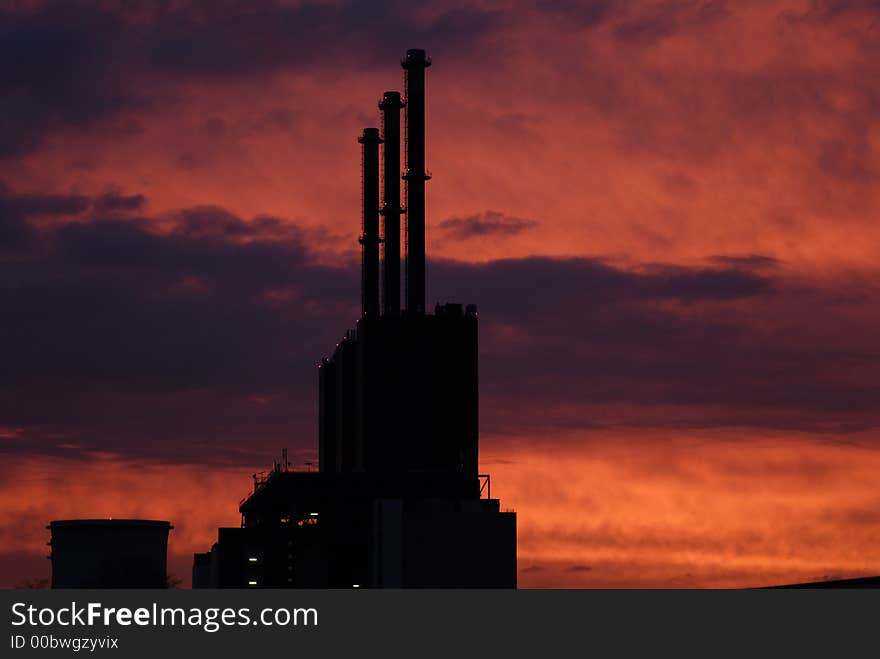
(691, 509)
(602, 509)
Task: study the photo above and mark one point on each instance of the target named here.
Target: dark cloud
(675, 347)
(161, 335)
(121, 335)
(579, 567)
(532, 285)
(662, 19)
(487, 223)
(29, 205)
(645, 22)
(16, 211)
(74, 64)
(13, 232)
(746, 261)
(59, 67)
(246, 38)
(582, 14)
(702, 284)
(112, 201)
(829, 10)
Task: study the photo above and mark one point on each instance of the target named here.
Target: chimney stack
(414, 64)
(390, 106)
(369, 239)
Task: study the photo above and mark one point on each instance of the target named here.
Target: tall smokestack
(369, 239)
(390, 106)
(415, 64)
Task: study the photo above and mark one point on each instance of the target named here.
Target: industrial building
(109, 553)
(397, 499)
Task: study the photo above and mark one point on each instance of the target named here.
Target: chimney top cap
(369, 135)
(390, 100)
(416, 57)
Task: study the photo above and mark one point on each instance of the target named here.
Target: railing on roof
(485, 485)
(263, 477)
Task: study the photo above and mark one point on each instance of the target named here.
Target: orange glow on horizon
(594, 510)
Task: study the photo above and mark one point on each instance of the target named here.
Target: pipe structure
(390, 106)
(369, 239)
(414, 64)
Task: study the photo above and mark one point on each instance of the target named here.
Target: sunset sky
(668, 213)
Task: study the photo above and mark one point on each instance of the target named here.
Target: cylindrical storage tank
(109, 553)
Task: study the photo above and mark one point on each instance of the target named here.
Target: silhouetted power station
(397, 500)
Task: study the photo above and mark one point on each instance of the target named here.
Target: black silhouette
(858, 582)
(109, 553)
(397, 500)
